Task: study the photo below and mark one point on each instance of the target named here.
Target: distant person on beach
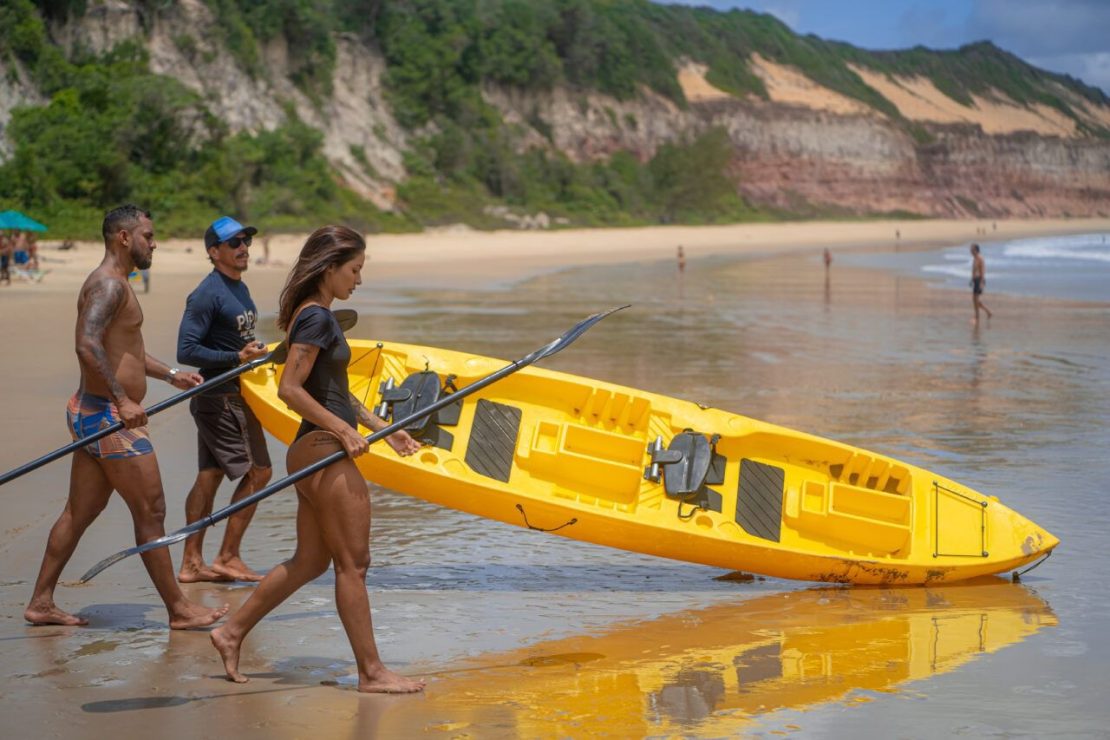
(828, 260)
(144, 275)
(5, 259)
(19, 247)
(333, 505)
(114, 368)
(265, 258)
(681, 259)
(978, 281)
(216, 335)
(32, 251)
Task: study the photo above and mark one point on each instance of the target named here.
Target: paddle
(345, 316)
(555, 345)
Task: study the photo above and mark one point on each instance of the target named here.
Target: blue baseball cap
(223, 229)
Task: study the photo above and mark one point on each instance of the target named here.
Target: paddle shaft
(118, 426)
(345, 316)
(548, 349)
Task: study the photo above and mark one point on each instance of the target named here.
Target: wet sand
(870, 359)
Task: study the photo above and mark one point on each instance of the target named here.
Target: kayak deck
(648, 473)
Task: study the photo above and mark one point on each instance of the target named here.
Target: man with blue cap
(217, 334)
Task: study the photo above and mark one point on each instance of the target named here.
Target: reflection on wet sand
(715, 671)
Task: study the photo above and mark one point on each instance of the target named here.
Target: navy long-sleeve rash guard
(219, 320)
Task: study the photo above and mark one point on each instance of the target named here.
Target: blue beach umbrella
(17, 220)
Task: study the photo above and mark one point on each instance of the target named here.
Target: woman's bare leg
(308, 562)
(342, 506)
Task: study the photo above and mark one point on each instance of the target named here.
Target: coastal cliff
(877, 137)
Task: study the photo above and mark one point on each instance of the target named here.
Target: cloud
(1093, 69)
(785, 11)
(1037, 28)
(929, 26)
(1069, 36)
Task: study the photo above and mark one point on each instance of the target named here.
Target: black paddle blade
(346, 317)
(169, 539)
(562, 342)
(279, 355)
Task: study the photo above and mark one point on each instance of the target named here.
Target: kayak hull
(572, 455)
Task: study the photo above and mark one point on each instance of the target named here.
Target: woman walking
(333, 505)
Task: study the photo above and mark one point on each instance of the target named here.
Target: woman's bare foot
(40, 614)
(228, 648)
(200, 573)
(194, 615)
(385, 681)
(234, 569)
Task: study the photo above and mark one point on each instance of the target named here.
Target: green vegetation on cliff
(110, 131)
(114, 132)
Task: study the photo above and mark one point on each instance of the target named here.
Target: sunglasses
(235, 241)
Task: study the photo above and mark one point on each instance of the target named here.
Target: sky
(1068, 36)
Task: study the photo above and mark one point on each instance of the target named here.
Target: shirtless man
(978, 280)
(114, 368)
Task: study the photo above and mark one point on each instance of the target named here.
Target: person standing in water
(114, 368)
(978, 281)
(333, 504)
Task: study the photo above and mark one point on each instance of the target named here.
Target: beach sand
(125, 672)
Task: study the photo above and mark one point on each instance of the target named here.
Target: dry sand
(39, 373)
(918, 99)
(789, 86)
(459, 256)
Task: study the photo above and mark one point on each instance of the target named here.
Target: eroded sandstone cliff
(803, 148)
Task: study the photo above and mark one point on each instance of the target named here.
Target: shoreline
(470, 259)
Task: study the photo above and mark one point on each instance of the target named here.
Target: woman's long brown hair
(325, 247)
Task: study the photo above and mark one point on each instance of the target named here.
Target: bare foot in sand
(234, 569)
(194, 615)
(228, 648)
(42, 614)
(201, 573)
(385, 681)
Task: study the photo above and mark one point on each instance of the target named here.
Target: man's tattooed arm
(103, 301)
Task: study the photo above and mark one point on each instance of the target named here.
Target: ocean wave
(1090, 252)
(962, 271)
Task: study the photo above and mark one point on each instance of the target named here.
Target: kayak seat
(689, 464)
(416, 393)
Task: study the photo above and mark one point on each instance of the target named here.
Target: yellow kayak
(639, 471)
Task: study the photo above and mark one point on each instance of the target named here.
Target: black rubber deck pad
(759, 499)
(493, 440)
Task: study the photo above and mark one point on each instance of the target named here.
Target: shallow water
(1017, 407)
(1074, 268)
